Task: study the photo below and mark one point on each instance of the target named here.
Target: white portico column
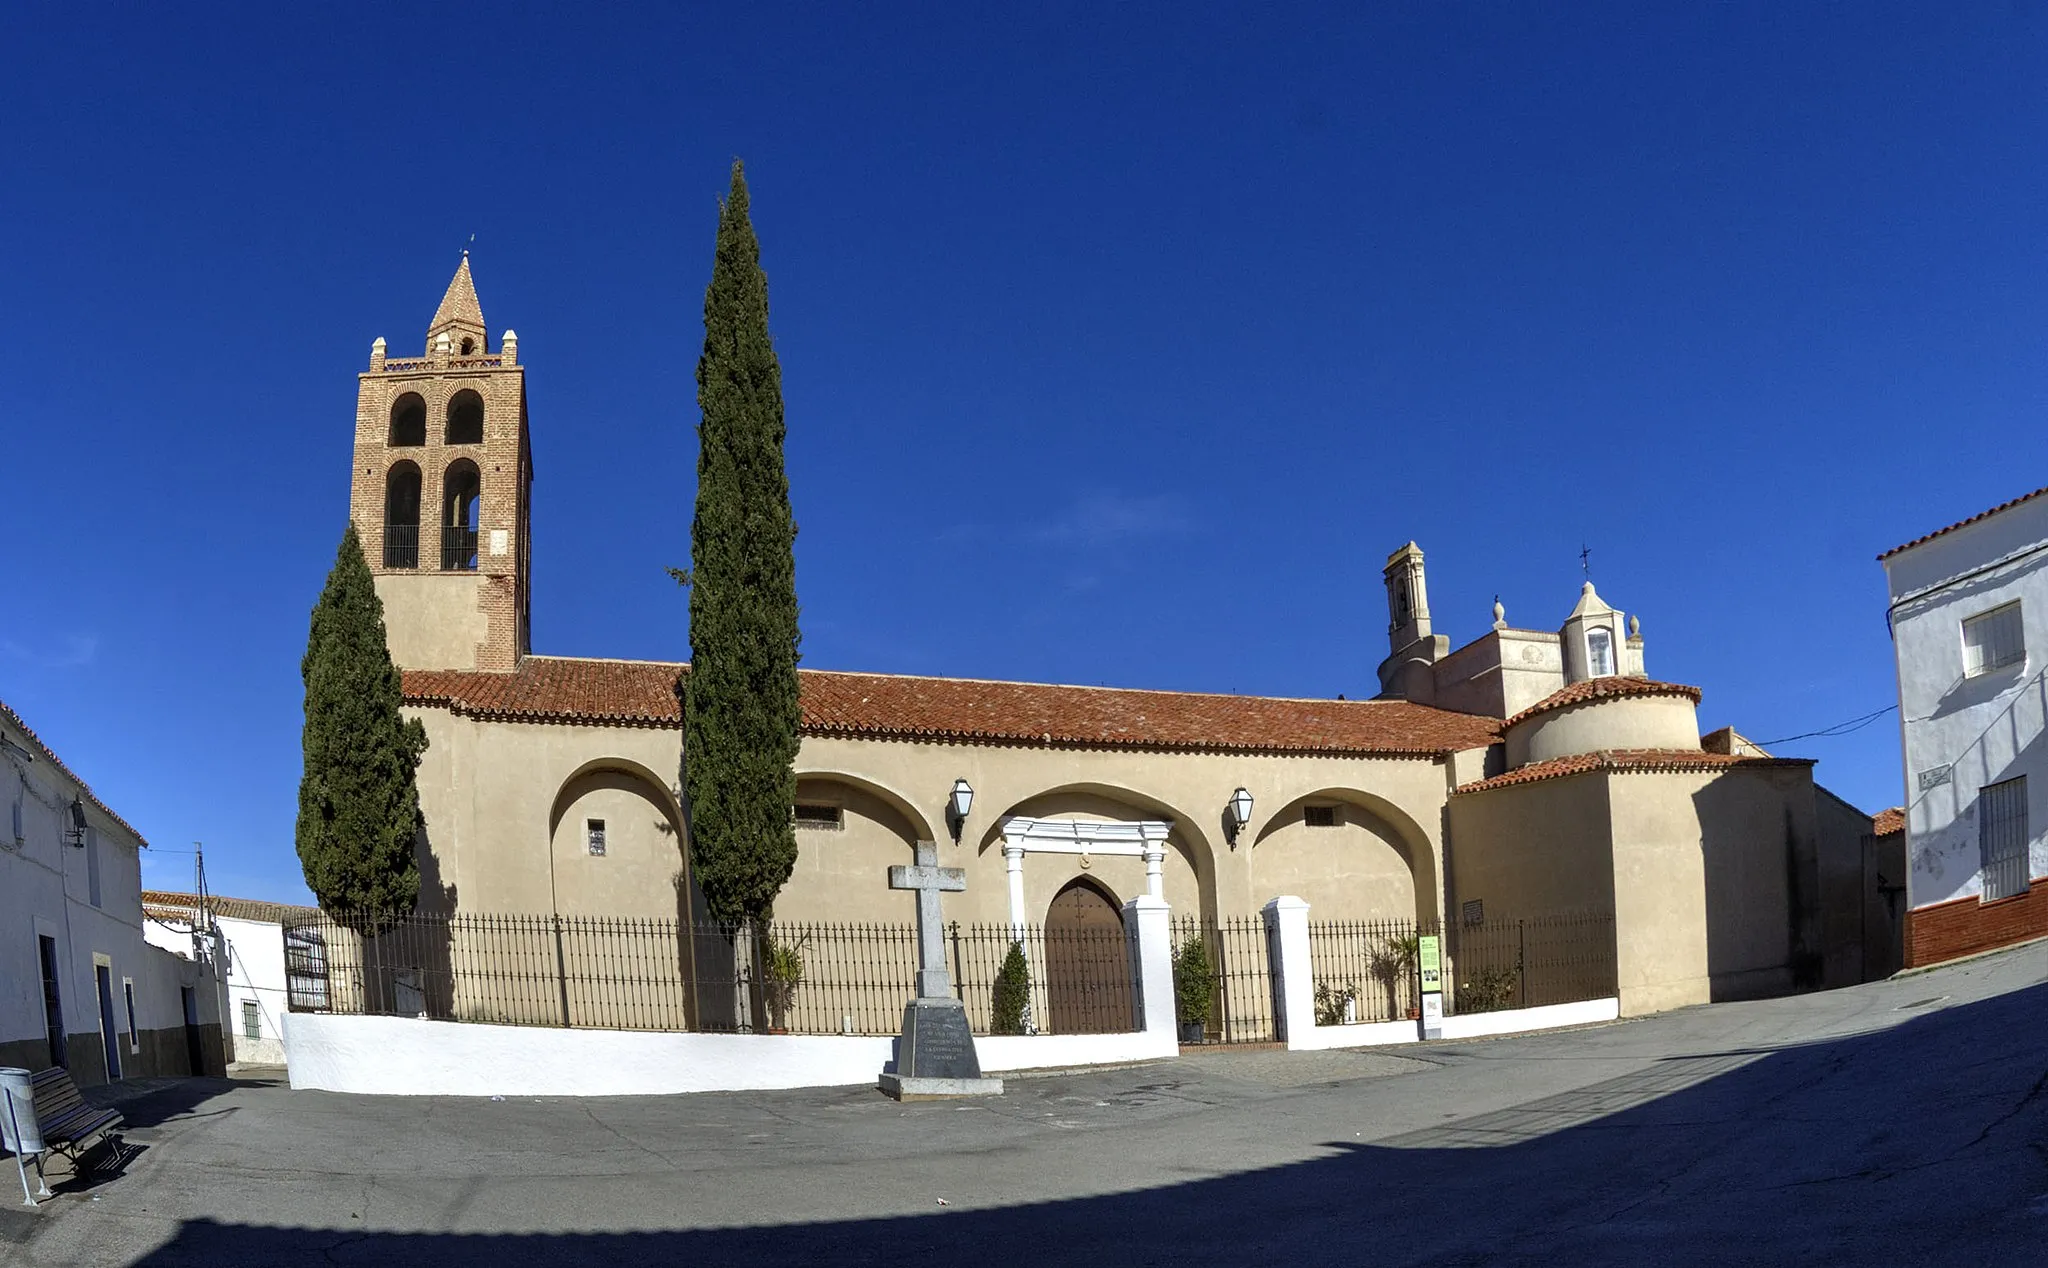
(1013, 859)
(1155, 862)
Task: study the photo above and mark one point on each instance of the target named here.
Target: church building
(1529, 772)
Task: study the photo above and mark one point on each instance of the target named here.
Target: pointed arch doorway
(1087, 963)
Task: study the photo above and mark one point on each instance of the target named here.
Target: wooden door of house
(1087, 964)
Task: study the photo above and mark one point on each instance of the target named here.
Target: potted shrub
(1392, 962)
(1010, 1007)
(782, 971)
(1194, 989)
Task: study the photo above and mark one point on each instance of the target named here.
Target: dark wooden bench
(69, 1125)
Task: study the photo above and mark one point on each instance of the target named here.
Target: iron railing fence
(1531, 961)
(621, 973)
(1240, 957)
(1365, 970)
(401, 545)
(458, 548)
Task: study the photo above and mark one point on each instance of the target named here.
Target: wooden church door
(1087, 964)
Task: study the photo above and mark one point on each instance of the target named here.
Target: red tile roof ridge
(847, 702)
(1981, 515)
(993, 682)
(1885, 822)
(231, 908)
(1607, 686)
(1641, 760)
(8, 712)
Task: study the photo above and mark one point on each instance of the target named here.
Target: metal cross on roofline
(929, 880)
(1586, 560)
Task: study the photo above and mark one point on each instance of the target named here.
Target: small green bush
(1012, 993)
(1194, 982)
(1331, 1002)
(1487, 990)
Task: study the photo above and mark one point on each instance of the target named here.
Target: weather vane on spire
(1586, 560)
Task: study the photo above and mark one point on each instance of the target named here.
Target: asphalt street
(1896, 1122)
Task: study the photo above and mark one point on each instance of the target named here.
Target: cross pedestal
(935, 1056)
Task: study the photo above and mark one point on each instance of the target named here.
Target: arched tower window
(402, 515)
(461, 496)
(1599, 653)
(468, 347)
(465, 418)
(408, 420)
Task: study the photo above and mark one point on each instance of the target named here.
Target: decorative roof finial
(1500, 614)
(1635, 626)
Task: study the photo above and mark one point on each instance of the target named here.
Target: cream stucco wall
(1713, 893)
(1618, 722)
(1357, 869)
(505, 804)
(432, 620)
(1534, 849)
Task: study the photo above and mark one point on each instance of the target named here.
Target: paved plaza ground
(1898, 1122)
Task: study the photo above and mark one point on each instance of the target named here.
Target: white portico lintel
(1023, 835)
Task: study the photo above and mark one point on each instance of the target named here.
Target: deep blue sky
(1118, 346)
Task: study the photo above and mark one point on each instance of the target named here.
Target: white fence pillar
(1146, 916)
(1294, 987)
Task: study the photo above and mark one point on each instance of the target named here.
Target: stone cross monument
(935, 1057)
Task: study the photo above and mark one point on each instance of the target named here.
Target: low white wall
(403, 1056)
(1512, 1021)
(1516, 1020)
(1041, 1052)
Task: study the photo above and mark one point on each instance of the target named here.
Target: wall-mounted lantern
(1238, 813)
(75, 833)
(957, 805)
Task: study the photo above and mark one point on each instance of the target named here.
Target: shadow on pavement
(1917, 1142)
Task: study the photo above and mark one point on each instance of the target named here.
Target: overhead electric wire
(1839, 728)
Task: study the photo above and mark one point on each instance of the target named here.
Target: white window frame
(1593, 668)
(128, 1002)
(251, 1011)
(2018, 654)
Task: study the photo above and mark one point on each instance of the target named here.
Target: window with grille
(1993, 640)
(252, 1020)
(594, 832)
(819, 816)
(1319, 816)
(2002, 838)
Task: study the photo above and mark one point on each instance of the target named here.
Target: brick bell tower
(441, 489)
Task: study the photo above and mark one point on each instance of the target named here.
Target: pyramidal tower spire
(458, 327)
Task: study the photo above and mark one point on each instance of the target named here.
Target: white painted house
(1969, 618)
(80, 987)
(253, 933)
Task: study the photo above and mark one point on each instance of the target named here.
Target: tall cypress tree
(359, 807)
(740, 696)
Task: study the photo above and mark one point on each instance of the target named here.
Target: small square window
(252, 1020)
(813, 816)
(1993, 640)
(594, 832)
(1319, 816)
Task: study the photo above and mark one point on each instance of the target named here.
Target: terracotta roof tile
(58, 763)
(557, 689)
(642, 693)
(1886, 822)
(165, 904)
(1632, 759)
(1602, 689)
(1981, 515)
